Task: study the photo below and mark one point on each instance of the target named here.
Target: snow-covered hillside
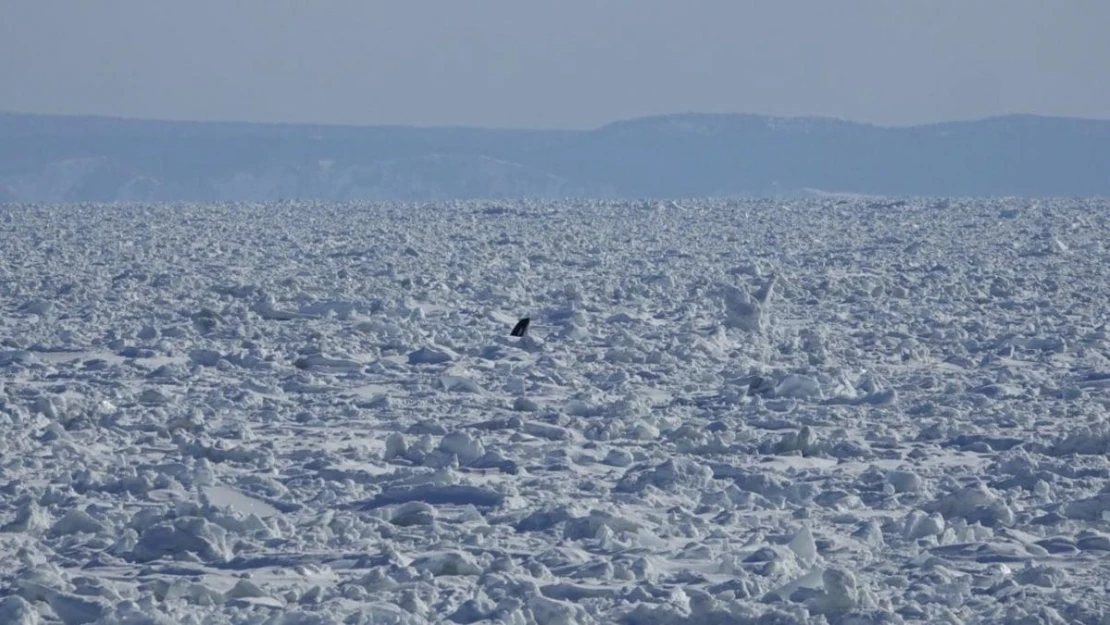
(296, 413)
(47, 158)
(427, 177)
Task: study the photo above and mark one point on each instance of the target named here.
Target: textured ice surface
(830, 411)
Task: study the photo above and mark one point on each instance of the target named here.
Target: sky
(554, 63)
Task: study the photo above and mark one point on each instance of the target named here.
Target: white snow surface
(774, 412)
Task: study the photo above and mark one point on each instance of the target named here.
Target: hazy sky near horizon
(564, 64)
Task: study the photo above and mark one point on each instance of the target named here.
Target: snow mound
(184, 536)
(680, 473)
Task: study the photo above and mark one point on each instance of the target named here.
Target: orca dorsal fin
(521, 327)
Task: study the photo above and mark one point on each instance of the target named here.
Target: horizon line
(340, 125)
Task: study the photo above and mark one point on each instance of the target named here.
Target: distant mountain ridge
(85, 158)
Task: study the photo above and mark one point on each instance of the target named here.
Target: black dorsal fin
(521, 327)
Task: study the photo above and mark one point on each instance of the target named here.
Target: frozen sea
(835, 410)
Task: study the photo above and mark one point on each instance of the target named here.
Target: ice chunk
(974, 503)
(904, 481)
(803, 546)
(448, 563)
(185, 534)
(742, 310)
(15, 610)
(430, 356)
(76, 521)
(919, 525)
(395, 446)
(553, 612)
(674, 473)
(30, 518)
(1089, 509)
(466, 447)
(524, 404)
(205, 357)
(798, 387)
(459, 384)
(841, 593)
(236, 500)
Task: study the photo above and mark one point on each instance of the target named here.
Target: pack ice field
(835, 410)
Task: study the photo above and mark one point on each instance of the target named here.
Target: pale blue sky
(557, 63)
